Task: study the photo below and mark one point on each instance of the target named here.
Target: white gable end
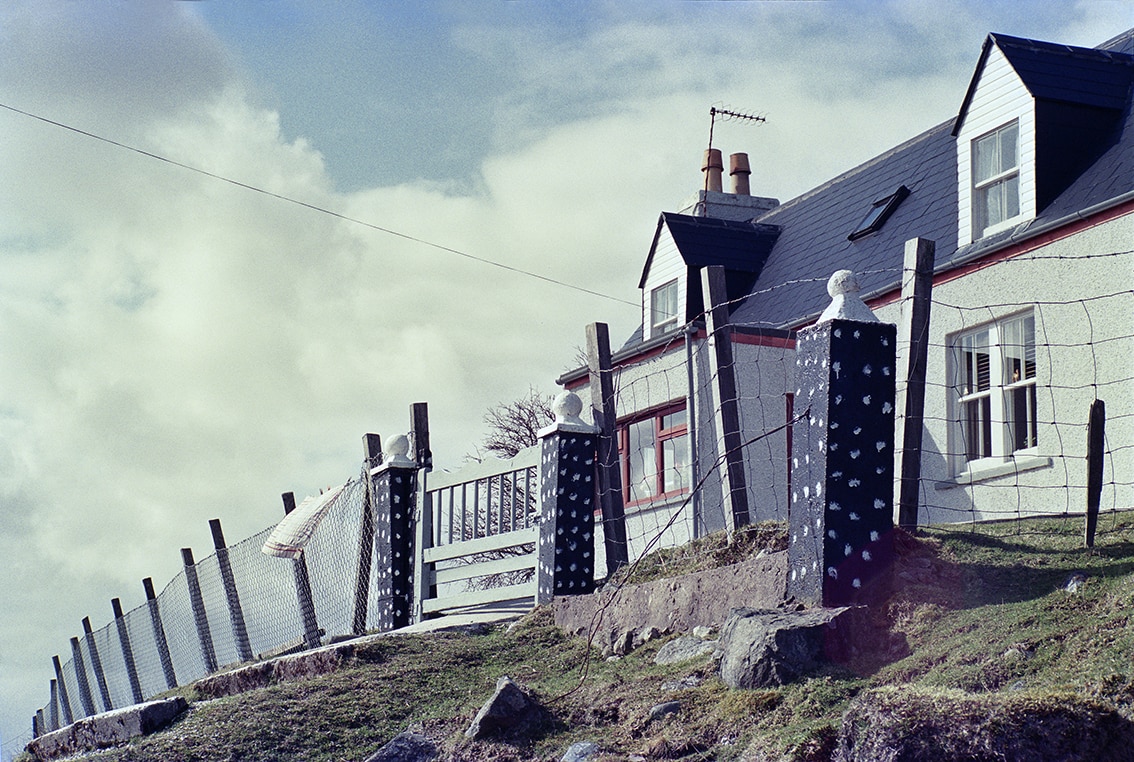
(998, 99)
(665, 267)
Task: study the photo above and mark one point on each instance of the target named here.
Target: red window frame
(661, 435)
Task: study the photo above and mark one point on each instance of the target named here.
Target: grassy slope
(981, 609)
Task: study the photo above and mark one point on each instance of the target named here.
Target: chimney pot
(713, 167)
(739, 170)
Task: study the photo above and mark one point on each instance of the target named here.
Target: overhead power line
(316, 207)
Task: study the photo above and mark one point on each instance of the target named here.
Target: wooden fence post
(200, 617)
(127, 651)
(566, 550)
(726, 405)
(96, 665)
(159, 634)
(235, 612)
(423, 530)
(64, 699)
(38, 726)
(1096, 443)
(86, 700)
(605, 416)
(53, 707)
(311, 635)
(842, 513)
(372, 456)
(395, 484)
(917, 289)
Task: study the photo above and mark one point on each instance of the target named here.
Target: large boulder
(763, 648)
(908, 724)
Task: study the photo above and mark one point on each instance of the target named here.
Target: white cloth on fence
(291, 534)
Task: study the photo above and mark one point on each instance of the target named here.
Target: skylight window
(879, 212)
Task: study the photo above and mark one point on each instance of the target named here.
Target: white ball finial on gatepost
(396, 452)
(567, 407)
(845, 302)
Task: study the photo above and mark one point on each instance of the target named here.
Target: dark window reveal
(879, 212)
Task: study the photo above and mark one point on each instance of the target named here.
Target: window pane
(986, 161)
(675, 463)
(975, 360)
(1022, 412)
(663, 304)
(977, 428)
(642, 457)
(674, 419)
(1007, 147)
(1019, 346)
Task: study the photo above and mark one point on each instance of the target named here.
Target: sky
(176, 348)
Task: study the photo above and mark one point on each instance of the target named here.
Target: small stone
(685, 683)
(406, 747)
(1075, 582)
(662, 710)
(507, 710)
(582, 751)
(703, 632)
(645, 635)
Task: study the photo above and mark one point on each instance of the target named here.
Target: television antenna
(726, 115)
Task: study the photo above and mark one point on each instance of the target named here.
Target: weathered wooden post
(566, 552)
(917, 289)
(306, 601)
(53, 707)
(841, 516)
(372, 456)
(235, 612)
(86, 700)
(96, 665)
(38, 726)
(601, 375)
(1096, 444)
(394, 488)
(159, 634)
(423, 512)
(200, 617)
(64, 699)
(127, 651)
(726, 404)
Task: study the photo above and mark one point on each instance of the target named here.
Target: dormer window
(663, 307)
(996, 179)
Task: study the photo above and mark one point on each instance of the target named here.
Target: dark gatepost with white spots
(841, 517)
(394, 490)
(566, 553)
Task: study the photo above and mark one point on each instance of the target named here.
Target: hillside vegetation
(990, 628)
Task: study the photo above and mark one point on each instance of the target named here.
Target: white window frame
(1000, 181)
(659, 320)
(1009, 386)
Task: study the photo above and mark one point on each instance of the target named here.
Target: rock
(685, 683)
(584, 751)
(509, 711)
(764, 649)
(107, 730)
(406, 747)
(621, 643)
(703, 632)
(645, 635)
(950, 726)
(1075, 582)
(661, 710)
(683, 648)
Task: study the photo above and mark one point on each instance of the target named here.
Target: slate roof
(704, 241)
(791, 287)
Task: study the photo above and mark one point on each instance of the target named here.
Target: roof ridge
(1059, 48)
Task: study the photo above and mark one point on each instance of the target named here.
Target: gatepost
(841, 516)
(394, 485)
(565, 563)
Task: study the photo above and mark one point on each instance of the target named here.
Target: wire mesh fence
(1010, 382)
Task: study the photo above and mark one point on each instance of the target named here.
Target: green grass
(982, 610)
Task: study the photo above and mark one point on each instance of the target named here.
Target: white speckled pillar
(842, 482)
(395, 489)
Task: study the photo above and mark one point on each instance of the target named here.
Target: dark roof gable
(703, 241)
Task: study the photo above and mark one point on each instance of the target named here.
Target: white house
(1028, 195)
